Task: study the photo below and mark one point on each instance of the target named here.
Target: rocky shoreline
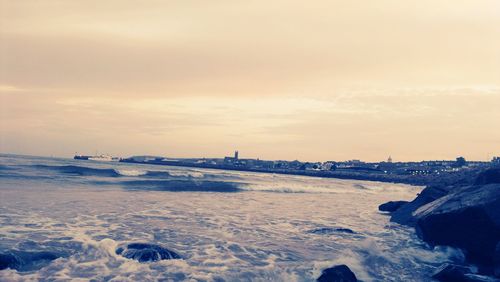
(461, 212)
(464, 215)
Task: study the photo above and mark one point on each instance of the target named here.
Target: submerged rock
(26, 261)
(338, 273)
(330, 230)
(8, 261)
(344, 230)
(145, 252)
(391, 206)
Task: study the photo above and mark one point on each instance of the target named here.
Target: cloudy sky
(307, 80)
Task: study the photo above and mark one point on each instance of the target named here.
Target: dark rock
(457, 273)
(344, 230)
(8, 261)
(496, 260)
(144, 252)
(330, 230)
(451, 273)
(391, 206)
(489, 176)
(467, 218)
(338, 273)
(441, 187)
(26, 261)
(404, 215)
(479, 278)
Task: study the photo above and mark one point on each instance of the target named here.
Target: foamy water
(247, 227)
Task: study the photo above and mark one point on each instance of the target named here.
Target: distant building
(418, 171)
(387, 167)
(389, 160)
(310, 166)
(329, 165)
(460, 162)
(295, 164)
(231, 160)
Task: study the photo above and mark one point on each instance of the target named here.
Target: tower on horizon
(389, 160)
(235, 155)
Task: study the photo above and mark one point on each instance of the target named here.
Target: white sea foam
(194, 174)
(130, 172)
(353, 260)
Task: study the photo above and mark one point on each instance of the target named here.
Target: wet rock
(479, 278)
(456, 273)
(404, 215)
(344, 230)
(26, 261)
(451, 273)
(468, 218)
(330, 230)
(442, 187)
(489, 176)
(391, 206)
(496, 260)
(8, 261)
(338, 273)
(145, 252)
(463, 214)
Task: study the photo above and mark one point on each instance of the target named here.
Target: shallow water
(227, 225)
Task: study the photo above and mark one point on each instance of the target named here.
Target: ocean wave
(183, 185)
(131, 172)
(81, 170)
(159, 173)
(26, 260)
(331, 230)
(285, 189)
(155, 173)
(190, 174)
(4, 167)
(280, 187)
(116, 172)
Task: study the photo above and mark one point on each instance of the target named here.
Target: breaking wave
(141, 177)
(81, 170)
(183, 185)
(114, 172)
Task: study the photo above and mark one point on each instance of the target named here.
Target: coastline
(416, 180)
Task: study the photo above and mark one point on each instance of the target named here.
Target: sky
(309, 80)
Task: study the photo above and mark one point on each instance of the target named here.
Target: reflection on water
(249, 226)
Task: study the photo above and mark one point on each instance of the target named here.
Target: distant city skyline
(280, 80)
(236, 153)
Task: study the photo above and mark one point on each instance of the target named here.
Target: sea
(225, 225)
